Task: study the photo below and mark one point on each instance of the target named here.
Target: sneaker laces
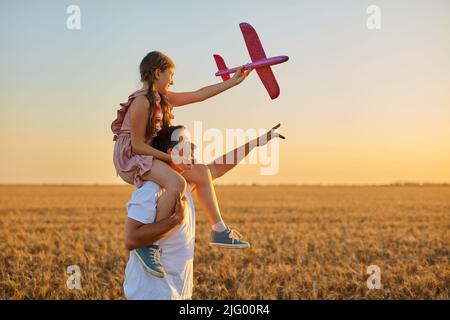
(155, 255)
(234, 235)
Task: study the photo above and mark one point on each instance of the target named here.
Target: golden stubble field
(307, 242)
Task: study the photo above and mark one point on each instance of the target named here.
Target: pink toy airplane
(259, 61)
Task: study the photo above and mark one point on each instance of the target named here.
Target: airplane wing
(256, 51)
(269, 81)
(254, 46)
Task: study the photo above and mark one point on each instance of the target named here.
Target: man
(176, 234)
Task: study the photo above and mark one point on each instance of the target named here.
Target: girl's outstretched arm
(178, 99)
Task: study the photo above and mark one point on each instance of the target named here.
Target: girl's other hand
(240, 75)
(182, 167)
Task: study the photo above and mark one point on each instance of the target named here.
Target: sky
(357, 106)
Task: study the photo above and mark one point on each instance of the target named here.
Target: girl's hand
(182, 167)
(240, 75)
(181, 158)
(262, 140)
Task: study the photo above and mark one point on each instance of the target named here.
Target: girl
(146, 112)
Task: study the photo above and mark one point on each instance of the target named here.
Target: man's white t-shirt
(177, 251)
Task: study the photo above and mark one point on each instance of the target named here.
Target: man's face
(183, 151)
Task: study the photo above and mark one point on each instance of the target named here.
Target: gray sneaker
(149, 257)
(228, 239)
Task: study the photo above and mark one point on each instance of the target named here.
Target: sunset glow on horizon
(357, 106)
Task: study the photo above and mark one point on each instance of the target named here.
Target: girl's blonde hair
(151, 62)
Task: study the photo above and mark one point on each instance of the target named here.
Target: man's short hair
(163, 140)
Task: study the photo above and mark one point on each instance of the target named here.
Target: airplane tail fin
(221, 66)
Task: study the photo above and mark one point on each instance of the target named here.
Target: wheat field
(307, 242)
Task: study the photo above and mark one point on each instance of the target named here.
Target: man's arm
(220, 166)
(138, 234)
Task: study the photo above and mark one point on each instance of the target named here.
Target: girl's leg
(221, 236)
(162, 174)
(201, 176)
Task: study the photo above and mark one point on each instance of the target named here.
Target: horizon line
(254, 184)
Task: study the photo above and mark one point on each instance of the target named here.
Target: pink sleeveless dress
(129, 166)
